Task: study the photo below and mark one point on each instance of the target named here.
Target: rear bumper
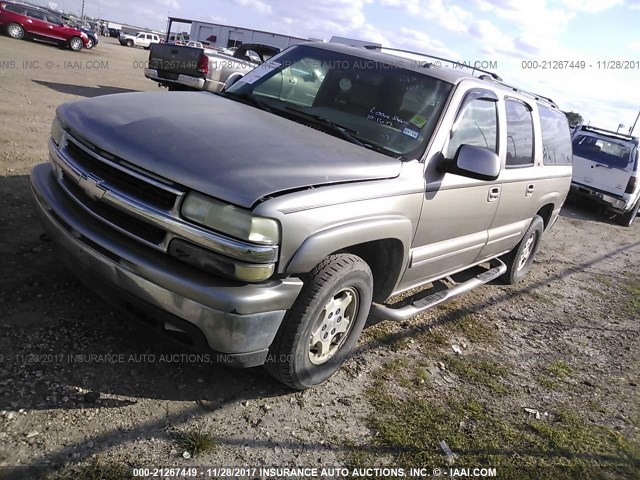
(197, 83)
(237, 321)
(615, 203)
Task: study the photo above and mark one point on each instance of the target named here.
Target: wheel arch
(383, 243)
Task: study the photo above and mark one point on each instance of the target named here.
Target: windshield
(605, 152)
(380, 105)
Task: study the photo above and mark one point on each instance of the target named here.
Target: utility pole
(82, 15)
(634, 124)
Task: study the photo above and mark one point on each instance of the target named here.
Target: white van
(605, 169)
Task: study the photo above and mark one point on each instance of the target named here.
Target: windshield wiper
(249, 99)
(345, 132)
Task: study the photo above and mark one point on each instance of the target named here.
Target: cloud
(442, 13)
(591, 6)
(255, 5)
(420, 41)
(172, 4)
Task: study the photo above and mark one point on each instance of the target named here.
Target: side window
(519, 134)
(556, 139)
(477, 125)
(37, 15)
(54, 20)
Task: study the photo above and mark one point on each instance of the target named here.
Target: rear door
(603, 163)
(37, 24)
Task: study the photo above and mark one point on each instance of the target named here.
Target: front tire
(626, 219)
(324, 324)
(519, 259)
(89, 44)
(129, 43)
(15, 31)
(75, 44)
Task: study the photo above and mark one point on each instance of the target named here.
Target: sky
(510, 34)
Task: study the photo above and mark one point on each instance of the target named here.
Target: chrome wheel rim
(76, 44)
(90, 43)
(526, 251)
(15, 31)
(334, 325)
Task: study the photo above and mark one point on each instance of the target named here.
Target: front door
(457, 211)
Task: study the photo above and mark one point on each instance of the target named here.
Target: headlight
(56, 131)
(230, 220)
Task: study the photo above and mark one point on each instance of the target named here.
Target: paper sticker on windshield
(418, 121)
(411, 133)
(259, 72)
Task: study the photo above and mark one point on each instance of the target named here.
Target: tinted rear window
(19, 9)
(604, 151)
(556, 139)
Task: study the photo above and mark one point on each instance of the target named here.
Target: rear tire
(324, 324)
(15, 31)
(519, 259)
(75, 44)
(626, 219)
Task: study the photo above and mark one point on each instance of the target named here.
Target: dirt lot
(563, 344)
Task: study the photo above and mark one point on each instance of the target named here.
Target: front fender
(326, 242)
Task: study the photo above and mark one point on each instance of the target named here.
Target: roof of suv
(29, 5)
(425, 67)
(595, 131)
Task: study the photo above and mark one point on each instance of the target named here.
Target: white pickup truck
(144, 40)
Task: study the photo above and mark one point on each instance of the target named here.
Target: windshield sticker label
(259, 72)
(411, 133)
(418, 121)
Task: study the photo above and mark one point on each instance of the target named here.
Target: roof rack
(515, 89)
(609, 133)
(493, 75)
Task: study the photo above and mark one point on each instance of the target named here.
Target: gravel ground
(129, 403)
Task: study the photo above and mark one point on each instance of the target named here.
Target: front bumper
(197, 83)
(616, 204)
(236, 320)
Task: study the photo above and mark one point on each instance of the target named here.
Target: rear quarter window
(556, 138)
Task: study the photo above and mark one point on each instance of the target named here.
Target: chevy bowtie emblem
(92, 188)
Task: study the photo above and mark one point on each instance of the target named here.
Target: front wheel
(129, 43)
(519, 259)
(626, 219)
(75, 44)
(89, 44)
(324, 324)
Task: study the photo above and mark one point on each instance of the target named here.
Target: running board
(430, 301)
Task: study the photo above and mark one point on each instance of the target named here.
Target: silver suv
(264, 223)
(606, 170)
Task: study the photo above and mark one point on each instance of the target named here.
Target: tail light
(203, 64)
(631, 186)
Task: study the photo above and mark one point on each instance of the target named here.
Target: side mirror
(475, 162)
(231, 81)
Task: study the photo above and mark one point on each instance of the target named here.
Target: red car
(25, 21)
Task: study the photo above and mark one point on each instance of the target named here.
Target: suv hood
(220, 147)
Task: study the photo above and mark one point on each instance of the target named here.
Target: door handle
(530, 189)
(494, 194)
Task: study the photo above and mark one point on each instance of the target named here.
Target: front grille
(120, 180)
(127, 223)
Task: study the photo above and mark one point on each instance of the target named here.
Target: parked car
(115, 32)
(91, 34)
(194, 44)
(26, 21)
(144, 40)
(184, 67)
(606, 170)
(264, 223)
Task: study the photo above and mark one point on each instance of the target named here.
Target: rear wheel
(626, 219)
(324, 324)
(15, 31)
(519, 259)
(75, 44)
